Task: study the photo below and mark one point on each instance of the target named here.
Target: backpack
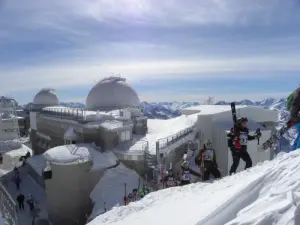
(289, 100)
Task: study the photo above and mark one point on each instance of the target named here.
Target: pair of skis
(273, 139)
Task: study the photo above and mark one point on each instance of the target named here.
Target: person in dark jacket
(207, 161)
(20, 200)
(186, 176)
(238, 140)
(293, 105)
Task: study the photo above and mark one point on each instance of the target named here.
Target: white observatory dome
(46, 97)
(112, 93)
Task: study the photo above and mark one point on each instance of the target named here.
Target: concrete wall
(38, 179)
(140, 126)
(175, 157)
(33, 140)
(68, 193)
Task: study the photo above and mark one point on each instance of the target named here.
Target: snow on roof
(163, 128)
(157, 129)
(102, 160)
(212, 109)
(19, 152)
(79, 153)
(68, 154)
(107, 124)
(110, 188)
(264, 194)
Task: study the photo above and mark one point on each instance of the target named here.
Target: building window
(125, 135)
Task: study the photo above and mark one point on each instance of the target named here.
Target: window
(125, 135)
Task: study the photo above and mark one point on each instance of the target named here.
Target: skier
(186, 174)
(145, 190)
(169, 180)
(238, 139)
(207, 159)
(293, 105)
(20, 200)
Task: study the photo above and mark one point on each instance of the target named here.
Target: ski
(233, 112)
(277, 135)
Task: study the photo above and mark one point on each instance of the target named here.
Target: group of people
(21, 198)
(30, 201)
(238, 138)
(136, 194)
(206, 160)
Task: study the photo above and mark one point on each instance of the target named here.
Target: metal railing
(8, 207)
(164, 142)
(65, 113)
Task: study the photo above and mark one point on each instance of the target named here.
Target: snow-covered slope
(266, 194)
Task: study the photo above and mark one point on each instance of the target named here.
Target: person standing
(20, 200)
(207, 161)
(293, 106)
(238, 140)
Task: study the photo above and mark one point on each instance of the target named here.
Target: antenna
(209, 101)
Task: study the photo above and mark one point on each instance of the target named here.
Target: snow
(268, 193)
(158, 129)
(107, 124)
(102, 160)
(66, 154)
(76, 153)
(111, 188)
(12, 159)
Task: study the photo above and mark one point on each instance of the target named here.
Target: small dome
(46, 97)
(112, 93)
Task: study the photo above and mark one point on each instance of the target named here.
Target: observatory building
(111, 116)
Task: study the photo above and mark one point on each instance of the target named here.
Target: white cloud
(174, 12)
(81, 73)
(57, 14)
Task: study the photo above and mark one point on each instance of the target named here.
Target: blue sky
(168, 50)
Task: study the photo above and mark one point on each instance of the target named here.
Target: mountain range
(168, 110)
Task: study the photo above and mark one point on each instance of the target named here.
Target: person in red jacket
(238, 140)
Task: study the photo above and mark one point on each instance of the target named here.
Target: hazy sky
(168, 50)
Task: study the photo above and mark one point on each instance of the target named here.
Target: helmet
(208, 143)
(185, 164)
(242, 119)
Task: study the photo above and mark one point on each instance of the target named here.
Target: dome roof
(46, 97)
(112, 93)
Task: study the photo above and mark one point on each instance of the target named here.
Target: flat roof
(212, 109)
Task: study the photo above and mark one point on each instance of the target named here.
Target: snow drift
(266, 194)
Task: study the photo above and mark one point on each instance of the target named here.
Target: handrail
(164, 142)
(8, 207)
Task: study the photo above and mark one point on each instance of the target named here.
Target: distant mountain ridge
(168, 110)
